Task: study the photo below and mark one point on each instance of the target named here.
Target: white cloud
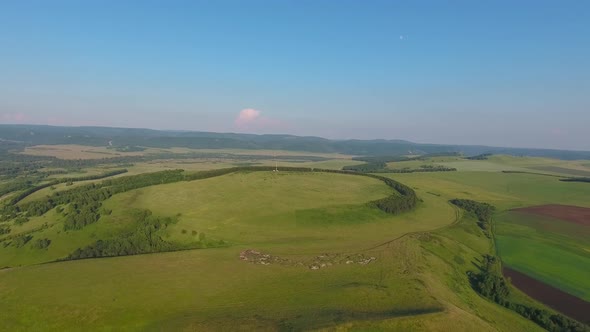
(251, 120)
(247, 116)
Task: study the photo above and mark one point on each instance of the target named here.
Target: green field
(375, 271)
(545, 248)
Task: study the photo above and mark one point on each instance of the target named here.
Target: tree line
(405, 201)
(381, 167)
(575, 180)
(31, 190)
(85, 201)
(15, 185)
(483, 212)
(371, 167)
(483, 156)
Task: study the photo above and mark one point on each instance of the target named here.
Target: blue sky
(508, 73)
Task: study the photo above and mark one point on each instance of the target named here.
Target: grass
(196, 289)
(563, 170)
(481, 166)
(417, 282)
(408, 287)
(504, 190)
(552, 265)
(550, 250)
(283, 209)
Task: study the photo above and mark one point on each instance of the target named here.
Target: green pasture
(551, 250)
(417, 281)
(503, 190)
(323, 210)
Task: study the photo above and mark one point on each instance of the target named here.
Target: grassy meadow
(415, 279)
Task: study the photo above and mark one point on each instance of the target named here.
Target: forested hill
(16, 136)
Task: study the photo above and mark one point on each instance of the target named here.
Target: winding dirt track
(555, 298)
(575, 214)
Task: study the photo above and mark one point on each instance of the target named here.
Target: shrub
(41, 243)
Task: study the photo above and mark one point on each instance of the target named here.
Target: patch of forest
(482, 211)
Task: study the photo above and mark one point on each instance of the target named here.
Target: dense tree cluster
(144, 238)
(482, 156)
(381, 159)
(482, 211)
(15, 164)
(550, 322)
(4, 229)
(490, 283)
(372, 167)
(21, 240)
(20, 220)
(423, 168)
(405, 201)
(81, 213)
(8, 212)
(575, 180)
(15, 185)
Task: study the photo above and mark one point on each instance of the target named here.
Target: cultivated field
(545, 248)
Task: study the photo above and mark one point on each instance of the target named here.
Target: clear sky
(507, 73)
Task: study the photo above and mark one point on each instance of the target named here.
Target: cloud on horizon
(17, 117)
(251, 120)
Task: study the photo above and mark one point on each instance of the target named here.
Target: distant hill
(15, 136)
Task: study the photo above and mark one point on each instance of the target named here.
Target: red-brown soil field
(561, 301)
(575, 214)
